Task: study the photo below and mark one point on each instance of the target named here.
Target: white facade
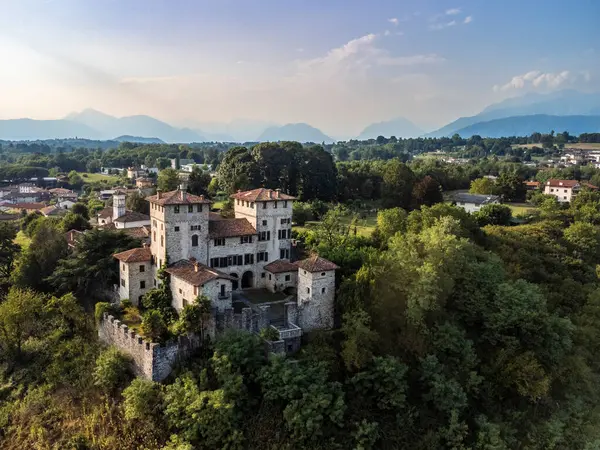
(136, 278)
(563, 190)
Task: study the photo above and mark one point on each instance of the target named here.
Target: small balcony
(288, 331)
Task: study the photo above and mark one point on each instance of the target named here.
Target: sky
(338, 65)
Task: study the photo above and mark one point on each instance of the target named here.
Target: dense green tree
(113, 371)
(136, 202)
(427, 192)
(198, 181)
(398, 181)
(73, 221)
(484, 186)
(81, 209)
(154, 326)
(8, 251)
(493, 214)
(301, 213)
(168, 180)
(18, 319)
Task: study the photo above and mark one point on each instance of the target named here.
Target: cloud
(453, 11)
(468, 19)
(441, 26)
(394, 20)
(539, 80)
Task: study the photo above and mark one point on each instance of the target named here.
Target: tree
(511, 187)
(39, 260)
(143, 402)
(493, 214)
(301, 213)
(584, 237)
(136, 202)
(168, 180)
(483, 186)
(113, 370)
(198, 181)
(8, 250)
(398, 181)
(90, 271)
(358, 346)
(427, 192)
(81, 209)
(72, 221)
(75, 179)
(154, 326)
(238, 170)
(389, 222)
(163, 163)
(19, 315)
(194, 316)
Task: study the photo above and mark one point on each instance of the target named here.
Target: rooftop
(134, 255)
(562, 183)
(53, 210)
(132, 216)
(281, 265)
(195, 273)
(222, 228)
(477, 199)
(261, 195)
(177, 197)
(316, 264)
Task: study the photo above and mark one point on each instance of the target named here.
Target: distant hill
(138, 140)
(525, 125)
(32, 130)
(560, 103)
(300, 132)
(399, 127)
(141, 125)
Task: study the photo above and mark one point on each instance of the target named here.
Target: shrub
(269, 334)
(143, 400)
(113, 370)
(154, 326)
(105, 307)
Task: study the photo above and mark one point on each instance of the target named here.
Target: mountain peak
(399, 127)
(301, 132)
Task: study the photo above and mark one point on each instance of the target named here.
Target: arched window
(195, 240)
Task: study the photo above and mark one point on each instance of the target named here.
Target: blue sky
(338, 65)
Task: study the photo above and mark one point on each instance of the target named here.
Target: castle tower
(179, 226)
(118, 204)
(270, 213)
(316, 293)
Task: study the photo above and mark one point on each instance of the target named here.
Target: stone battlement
(150, 360)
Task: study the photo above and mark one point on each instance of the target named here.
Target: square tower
(270, 213)
(179, 226)
(316, 293)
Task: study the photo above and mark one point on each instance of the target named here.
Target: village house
(119, 216)
(563, 190)
(144, 182)
(229, 260)
(474, 202)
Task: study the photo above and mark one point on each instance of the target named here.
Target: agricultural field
(364, 226)
(96, 177)
(521, 208)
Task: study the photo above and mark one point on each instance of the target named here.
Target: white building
(474, 202)
(121, 217)
(205, 254)
(563, 190)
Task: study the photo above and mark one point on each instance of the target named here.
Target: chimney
(182, 194)
(277, 192)
(158, 194)
(144, 245)
(201, 196)
(196, 267)
(269, 193)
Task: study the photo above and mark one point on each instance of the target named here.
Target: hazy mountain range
(565, 110)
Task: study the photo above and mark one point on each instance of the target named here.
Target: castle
(226, 259)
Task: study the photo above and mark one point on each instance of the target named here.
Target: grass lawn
(22, 240)
(364, 227)
(94, 177)
(521, 208)
(218, 205)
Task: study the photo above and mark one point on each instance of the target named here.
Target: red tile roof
(532, 183)
(105, 213)
(562, 183)
(134, 255)
(195, 273)
(177, 197)
(281, 265)
(261, 195)
(230, 228)
(32, 206)
(53, 210)
(316, 264)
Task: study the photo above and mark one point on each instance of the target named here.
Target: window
(551, 190)
(264, 205)
(269, 276)
(249, 258)
(123, 266)
(264, 236)
(238, 202)
(180, 291)
(123, 282)
(284, 253)
(219, 242)
(275, 205)
(246, 240)
(223, 261)
(262, 275)
(288, 277)
(284, 234)
(262, 256)
(195, 290)
(252, 205)
(162, 241)
(308, 290)
(154, 282)
(264, 222)
(565, 197)
(285, 221)
(176, 209)
(222, 290)
(199, 207)
(184, 302)
(322, 274)
(565, 191)
(285, 204)
(195, 240)
(142, 284)
(323, 290)
(195, 227)
(154, 222)
(161, 227)
(142, 268)
(176, 228)
(154, 238)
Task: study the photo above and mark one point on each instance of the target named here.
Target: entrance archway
(234, 283)
(247, 279)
